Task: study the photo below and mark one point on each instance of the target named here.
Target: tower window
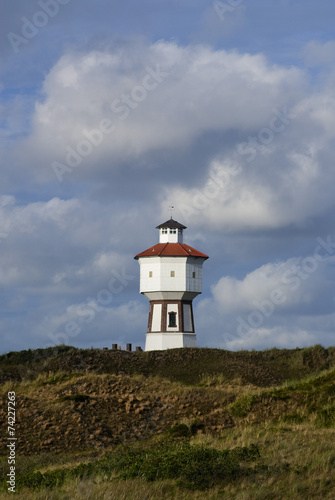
(164, 231)
(193, 274)
(150, 274)
(172, 319)
(173, 231)
(172, 274)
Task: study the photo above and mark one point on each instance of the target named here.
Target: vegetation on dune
(306, 400)
(182, 424)
(188, 366)
(195, 467)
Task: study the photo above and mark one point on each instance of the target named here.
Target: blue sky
(111, 112)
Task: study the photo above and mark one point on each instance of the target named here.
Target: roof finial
(171, 207)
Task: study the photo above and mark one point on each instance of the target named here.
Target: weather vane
(171, 207)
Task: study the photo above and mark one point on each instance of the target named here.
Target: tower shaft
(170, 324)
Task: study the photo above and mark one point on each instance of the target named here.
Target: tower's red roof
(171, 250)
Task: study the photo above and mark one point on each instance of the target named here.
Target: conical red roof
(171, 250)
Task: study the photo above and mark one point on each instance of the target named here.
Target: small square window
(193, 274)
(172, 274)
(150, 274)
(173, 231)
(164, 231)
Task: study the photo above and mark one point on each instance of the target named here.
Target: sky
(111, 112)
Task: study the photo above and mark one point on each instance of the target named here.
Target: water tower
(170, 278)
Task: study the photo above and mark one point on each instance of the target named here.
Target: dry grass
(121, 490)
(300, 458)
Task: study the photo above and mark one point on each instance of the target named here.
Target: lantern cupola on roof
(171, 231)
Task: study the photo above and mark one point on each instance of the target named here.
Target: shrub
(195, 467)
(75, 397)
(242, 406)
(325, 416)
(56, 478)
(195, 427)
(180, 430)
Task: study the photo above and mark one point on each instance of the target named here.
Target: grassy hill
(183, 423)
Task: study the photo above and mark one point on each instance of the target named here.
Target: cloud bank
(242, 147)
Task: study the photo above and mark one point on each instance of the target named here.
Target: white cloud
(64, 262)
(266, 338)
(295, 282)
(6, 200)
(240, 295)
(58, 245)
(92, 323)
(226, 201)
(319, 54)
(274, 185)
(24, 219)
(156, 96)
(283, 304)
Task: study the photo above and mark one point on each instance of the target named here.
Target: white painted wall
(170, 236)
(187, 318)
(194, 265)
(147, 265)
(178, 265)
(170, 295)
(163, 341)
(156, 318)
(161, 279)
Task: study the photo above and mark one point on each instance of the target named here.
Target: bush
(195, 427)
(180, 430)
(56, 478)
(185, 431)
(242, 406)
(195, 467)
(80, 398)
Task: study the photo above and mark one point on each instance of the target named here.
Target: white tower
(170, 277)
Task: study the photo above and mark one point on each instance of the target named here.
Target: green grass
(195, 467)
